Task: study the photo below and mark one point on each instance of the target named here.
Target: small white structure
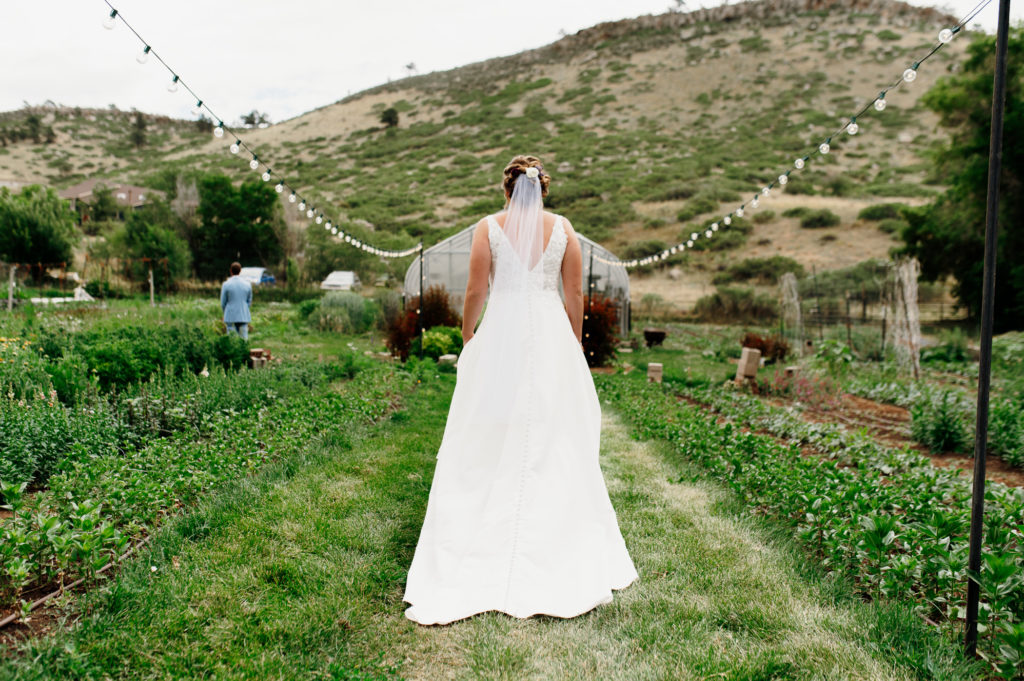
(253, 275)
(340, 281)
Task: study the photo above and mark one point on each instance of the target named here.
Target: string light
(880, 102)
(220, 129)
(853, 128)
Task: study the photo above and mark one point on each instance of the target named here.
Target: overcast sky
(284, 57)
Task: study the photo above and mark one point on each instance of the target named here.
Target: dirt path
(714, 599)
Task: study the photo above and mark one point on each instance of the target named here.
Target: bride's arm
(572, 281)
(476, 286)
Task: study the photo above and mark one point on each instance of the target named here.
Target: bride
(519, 518)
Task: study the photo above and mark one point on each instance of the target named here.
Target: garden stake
(995, 154)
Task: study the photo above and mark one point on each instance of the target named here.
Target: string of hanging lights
(239, 146)
(850, 127)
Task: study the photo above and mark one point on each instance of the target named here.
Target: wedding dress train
(519, 519)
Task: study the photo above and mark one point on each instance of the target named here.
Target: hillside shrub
(763, 217)
(729, 305)
(881, 211)
(761, 270)
(816, 219)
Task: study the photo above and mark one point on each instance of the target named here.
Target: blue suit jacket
(235, 299)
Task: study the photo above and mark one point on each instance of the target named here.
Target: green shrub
(1006, 432)
(881, 211)
(345, 312)
(230, 351)
(816, 219)
(894, 226)
(306, 308)
(940, 424)
(102, 290)
(796, 212)
(442, 340)
(763, 217)
(952, 348)
(736, 306)
(762, 270)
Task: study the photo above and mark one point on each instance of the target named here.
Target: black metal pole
(419, 308)
(995, 156)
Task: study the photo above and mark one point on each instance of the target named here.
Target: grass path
(299, 574)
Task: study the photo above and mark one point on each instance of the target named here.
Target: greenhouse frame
(447, 264)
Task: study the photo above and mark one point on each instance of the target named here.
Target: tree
(149, 233)
(256, 119)
(948, 236)
(138, 133)
(389, 117)
(103, 205)
(36, 225)
(236, 223)
(34, 127)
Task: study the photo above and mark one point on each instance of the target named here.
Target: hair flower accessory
(532, 172)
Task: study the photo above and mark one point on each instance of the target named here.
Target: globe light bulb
(853, 128)
(279, 188)
(319, 220)
(218, 132)
(254, 163)
(945, 35)
(334, 230)
(739, 212)
(727, 220)
(880, 104)
(714, 226)
(783, 179)
(754, 202)
(689, 244)
(693, 237)
(328, 225)
(766, 191)
(266, 176)
(143, 57)
(910, 75)
(173, 85)
(291, 199)
(198, 108)
(234, 147)
(708, 233)
(824, 148)
(302, 205)
(108, 23)
(348, 239)
(309, 213)
(798, 164)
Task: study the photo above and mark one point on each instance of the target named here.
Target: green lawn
(299, 572)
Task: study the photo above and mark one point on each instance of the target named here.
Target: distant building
(126, 195)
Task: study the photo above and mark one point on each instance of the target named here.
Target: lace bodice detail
(544, 275)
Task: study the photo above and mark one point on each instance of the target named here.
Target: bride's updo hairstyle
(518, 166)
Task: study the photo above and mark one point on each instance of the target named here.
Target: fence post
(995, 155)
(849, 333)
(152, 303)
(10, 288)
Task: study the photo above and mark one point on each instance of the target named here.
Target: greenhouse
(447, 264)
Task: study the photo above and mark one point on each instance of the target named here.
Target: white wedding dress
(519, 518)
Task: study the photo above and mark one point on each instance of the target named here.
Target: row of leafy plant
(99, 500)
(900, 535)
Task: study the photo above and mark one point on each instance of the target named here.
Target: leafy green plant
(940, 424)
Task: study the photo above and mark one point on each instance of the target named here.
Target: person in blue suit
(235, 299)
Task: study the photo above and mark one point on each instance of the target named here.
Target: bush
(402, 328)
(773, 348)
(390, 304)
(345, 312)
(1006, 432)
(816, 219)
(952, 348)
(881, 211)
(894, 226)
(736, 305)
(600, 329)
(306, 308)
(764, 270)
(102, 290)
(441, 340)
(940, 424)
(763, 217)
(836, 356)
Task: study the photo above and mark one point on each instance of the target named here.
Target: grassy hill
(650, 127)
